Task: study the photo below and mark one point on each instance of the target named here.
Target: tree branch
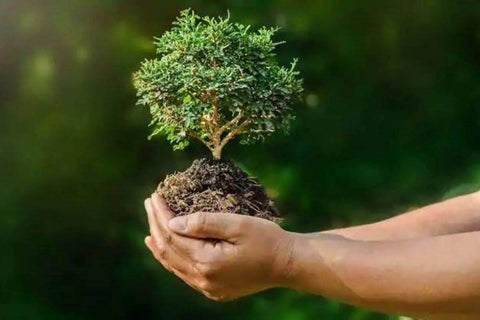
(235, 132)
(231, 123)
(195, 136)
(215, 111)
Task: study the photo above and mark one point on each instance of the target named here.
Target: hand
(247, 255)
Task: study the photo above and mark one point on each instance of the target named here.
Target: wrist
(288, 263)
(313, 263)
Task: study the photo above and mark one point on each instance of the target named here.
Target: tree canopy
(214, 80)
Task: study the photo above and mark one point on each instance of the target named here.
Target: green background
(390, 121)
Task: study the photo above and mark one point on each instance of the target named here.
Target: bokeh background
(390, 121)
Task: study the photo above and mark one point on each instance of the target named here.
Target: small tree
(215, 80)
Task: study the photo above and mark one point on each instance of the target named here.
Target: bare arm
(430, 277)
(460, 214)
(433, 277)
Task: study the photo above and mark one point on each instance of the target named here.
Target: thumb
(222, 226)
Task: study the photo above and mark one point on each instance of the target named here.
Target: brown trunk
(217, 152)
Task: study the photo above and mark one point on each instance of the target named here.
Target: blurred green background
(390, 121)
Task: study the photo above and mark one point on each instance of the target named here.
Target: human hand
(224, 256)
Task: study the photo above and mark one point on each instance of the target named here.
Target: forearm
(460, 214)
(425, 277)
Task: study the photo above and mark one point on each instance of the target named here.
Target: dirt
(211, 185)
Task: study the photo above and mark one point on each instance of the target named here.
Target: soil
(211, 185)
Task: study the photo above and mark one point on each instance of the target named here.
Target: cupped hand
(222, 255)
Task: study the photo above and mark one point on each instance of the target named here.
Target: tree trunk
(217, 152)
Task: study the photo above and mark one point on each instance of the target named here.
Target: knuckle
(168, 238)
(219, 299)
(212, 291)
(209, 296)
(224, 299)
(216, 297)
(206, 286)
(162, 253)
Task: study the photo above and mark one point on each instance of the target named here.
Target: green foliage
(214, 80)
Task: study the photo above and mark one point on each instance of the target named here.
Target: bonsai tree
(215, 80)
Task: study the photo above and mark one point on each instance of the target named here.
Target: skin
(425, 263)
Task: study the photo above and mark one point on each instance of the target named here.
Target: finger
(158, 211)
(163, 214)
(190, 249)
(153, 223)
(159, 238)
(221, 226)
(180, 273)
(169, 259)
(153, 248)
(150, 243)
(186, 246)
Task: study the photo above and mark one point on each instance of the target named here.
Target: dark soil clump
(211, 185)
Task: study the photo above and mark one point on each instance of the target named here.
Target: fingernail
(177, 224)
